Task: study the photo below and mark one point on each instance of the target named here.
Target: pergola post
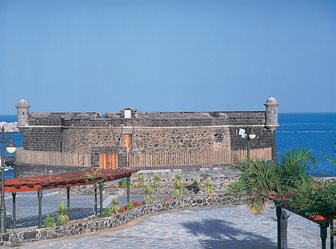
(278, 215)
(14, 209)
(95, 201)
(39, 195)
(128, 181)
(323, 234)
(68, 198)
(332, 233)
(101, 187)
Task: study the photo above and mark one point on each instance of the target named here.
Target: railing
(53, 158)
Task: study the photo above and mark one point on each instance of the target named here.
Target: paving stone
(231, 227)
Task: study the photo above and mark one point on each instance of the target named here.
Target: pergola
(321, 220)
(96, 177)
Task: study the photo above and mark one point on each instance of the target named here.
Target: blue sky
(171, 55)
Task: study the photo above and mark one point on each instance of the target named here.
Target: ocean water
(313, 131)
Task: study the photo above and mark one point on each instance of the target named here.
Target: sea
(313, 131)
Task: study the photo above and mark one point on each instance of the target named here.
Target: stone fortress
(156, 140)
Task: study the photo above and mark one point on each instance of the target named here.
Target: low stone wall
(18, 236)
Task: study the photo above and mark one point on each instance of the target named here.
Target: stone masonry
(158, 132)
(17, 236)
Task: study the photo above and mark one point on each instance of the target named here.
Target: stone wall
(18, 236)
(42, 138)
(23, 170)
(175, 132)
(183, 139)
(83, 140)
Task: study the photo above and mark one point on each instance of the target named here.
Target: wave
(10, 127)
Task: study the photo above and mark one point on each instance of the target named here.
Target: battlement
(151, 119)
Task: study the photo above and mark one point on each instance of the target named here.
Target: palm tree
(261, 178)
(292, 170)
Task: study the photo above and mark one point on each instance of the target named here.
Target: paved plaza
(231, 227)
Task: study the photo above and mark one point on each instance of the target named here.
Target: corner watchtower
(22, 112)
(271, 114)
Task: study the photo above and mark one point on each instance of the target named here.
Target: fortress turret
(271, 114)
(22, 113)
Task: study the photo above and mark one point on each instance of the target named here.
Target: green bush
(49, 221)
(148, 193)
(115, 207)
(156, 180)
(140, 179)
(129, 205)
(208, 185)
(63, 216)
(122, 183)
(107, 212)
(178, 186)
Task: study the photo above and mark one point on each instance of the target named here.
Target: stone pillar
(22, 113)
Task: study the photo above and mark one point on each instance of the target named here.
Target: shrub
(178, 177)
(148, 193)
(140, 180)
(178, 186)
(63, 216)
(49, 221)
(209, 186)
(122, 183)
(129, 205)
(156, 180)
(115, 208)
(107, 212)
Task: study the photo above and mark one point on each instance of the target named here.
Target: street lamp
(10, 149)
(249, 135)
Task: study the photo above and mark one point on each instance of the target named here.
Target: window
(127, 113)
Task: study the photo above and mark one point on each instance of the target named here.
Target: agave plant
(208, 185)
(140, 180)
(115, 205)
(178, 186)
(148, 193)
(63, 216)
(178, 177)
(156, 180)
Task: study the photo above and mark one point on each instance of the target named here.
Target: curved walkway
(232, 227)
